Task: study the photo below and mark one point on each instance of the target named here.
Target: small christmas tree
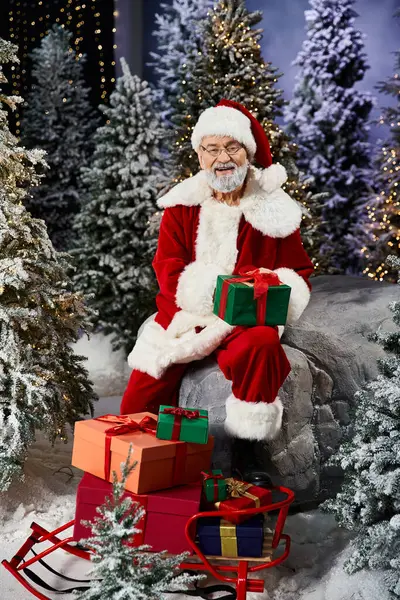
(113, 253)
(124, 572)
(58, 119)
(328, 119)
(383, 207)
(178, 33)
(43, 385)
(369, 502)
(227, 63)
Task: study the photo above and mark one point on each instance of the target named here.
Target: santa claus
(228, 217)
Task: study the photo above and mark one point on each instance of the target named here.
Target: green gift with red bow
(214, 485)
(182, 424)
(252, 298)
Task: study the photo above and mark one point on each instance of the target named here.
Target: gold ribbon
(229, 546)
(238, 489)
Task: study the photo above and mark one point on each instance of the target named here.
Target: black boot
(245, 464)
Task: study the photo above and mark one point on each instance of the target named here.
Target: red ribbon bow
(211, 476)
(123, 424)
(179, 414)
(261, 282)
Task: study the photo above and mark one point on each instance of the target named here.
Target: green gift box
(234, 303)
(215, 488)
(183, 424)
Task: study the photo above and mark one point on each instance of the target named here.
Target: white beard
(227, 183)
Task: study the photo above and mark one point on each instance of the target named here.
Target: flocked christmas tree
(384, 206)
(369, 502)
(121, 571)
(328, 118)
(43, 385)
(114, 252)
(58, 118)
(228, 63)
(178, 33)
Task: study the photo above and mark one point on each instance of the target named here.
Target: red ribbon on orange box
(179, 414)
(123, 424)
(261, 282)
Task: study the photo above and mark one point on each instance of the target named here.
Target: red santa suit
(201, 238)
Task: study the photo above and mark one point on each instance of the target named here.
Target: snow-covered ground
(314, 570)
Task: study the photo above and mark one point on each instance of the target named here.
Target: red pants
(252, 358)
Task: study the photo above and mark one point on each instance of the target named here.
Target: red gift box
(243, 495)
(167, 513)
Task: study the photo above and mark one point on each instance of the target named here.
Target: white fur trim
(300, 294)
(196, 286)
(274, 214)
(273, 177)
(253, 420)
(156, 349)
(216, 254)
(145, 355)
(224, 121)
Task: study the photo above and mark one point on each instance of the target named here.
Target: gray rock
(331, 359)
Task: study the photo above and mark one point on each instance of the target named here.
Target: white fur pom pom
(273, 178)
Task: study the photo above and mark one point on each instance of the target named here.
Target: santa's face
(224, 161)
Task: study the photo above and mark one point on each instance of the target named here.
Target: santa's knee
(261, 339)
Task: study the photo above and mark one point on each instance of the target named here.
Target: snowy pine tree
(58, 119)
(43, 385)
(124, 572)
(369, 502)
(328, 119)
(227, 63)
(383, 207)
(178, 34)
(113, 252)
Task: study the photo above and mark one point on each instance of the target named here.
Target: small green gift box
(235, 303)
(215, 486)
(182, 424)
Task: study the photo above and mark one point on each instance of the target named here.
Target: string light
(29, 22)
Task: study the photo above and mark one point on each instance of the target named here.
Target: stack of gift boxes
(172, 481)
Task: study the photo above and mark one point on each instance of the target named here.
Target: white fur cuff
(253, 420)
(196, 287)
(300, 294)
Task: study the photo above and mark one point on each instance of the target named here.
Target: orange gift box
(161, 463)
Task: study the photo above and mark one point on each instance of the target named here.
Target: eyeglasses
(231, 150)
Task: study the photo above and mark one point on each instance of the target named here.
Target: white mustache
(220, 165)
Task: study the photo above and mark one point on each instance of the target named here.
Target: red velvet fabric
(176, 249)
(252, 358)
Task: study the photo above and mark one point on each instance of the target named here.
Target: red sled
(239, 574)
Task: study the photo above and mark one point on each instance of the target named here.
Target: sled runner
(238, 573)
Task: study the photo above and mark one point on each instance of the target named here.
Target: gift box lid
(211, 527)
(93, 490)
(146, 446)
(182, 500)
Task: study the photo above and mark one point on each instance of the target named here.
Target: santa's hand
(264, 270)
(184, 324)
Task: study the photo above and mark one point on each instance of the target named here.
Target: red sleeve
(292, 255)
(171, 258)
(294, 267)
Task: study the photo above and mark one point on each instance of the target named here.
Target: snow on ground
(313, 571)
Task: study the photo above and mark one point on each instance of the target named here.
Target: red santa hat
(229, 118)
